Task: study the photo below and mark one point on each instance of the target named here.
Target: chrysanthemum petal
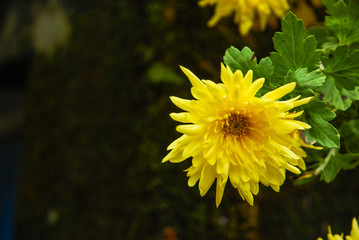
(211, 152)
(275, 174)
(291, 100)
(292, 169)
(208, 175)
(279, 92)
(194, 173)
(220, 190)
(247, 80)
(291, 115)
(255, 86)
(286, 152)
(354, 233)
(179, 142)
(191, 149)
(184, 104)
(183, 117)
(215, 90)
(244, 176)
(301, 163)
(174, 156)
(196, 83)
(234, 176)
(226, 76)
(245, 193)
(302, 101)
(189, 129)
(254, 187)
(286, 126)
(193, 179)
(236, 88)
(222, 167)
(275, 187)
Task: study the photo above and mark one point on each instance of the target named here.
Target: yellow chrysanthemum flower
(354, 233)
(246, 11)
(231, 133)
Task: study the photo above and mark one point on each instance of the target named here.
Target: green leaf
(336, 162)
(331, 170)
(350, 135)
(320, 33)
(353, 95)
(343, 67)
(314, 157)
(294, 50)
(245, 60)
(343, 20)
(306, 80)
(349, 161)
(318, 115)
(339, 99)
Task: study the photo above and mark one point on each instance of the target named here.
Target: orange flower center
(236, 125)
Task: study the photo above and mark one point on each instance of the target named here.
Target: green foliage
(350, 135)
(320, 33)
(343, 66)
(343, 20)
(331, 74)
(318, 116)
(92, 150)
(334, 162)
(294, 49)
(307, 83)
(245, 60)
(306, 80)
(341, 100)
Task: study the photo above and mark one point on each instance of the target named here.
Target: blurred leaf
(320, 33)
(337, 162)
(294, 50)
(330, 44)
(160, 73)
(351, 94)
(350, 134)
(318, 115)
(155, 12)
(349, 161)
(331, 167)
(343, 20)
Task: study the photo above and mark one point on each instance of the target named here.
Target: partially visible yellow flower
(231, 133)
(330, 236)
(354, 233)
(246, 12)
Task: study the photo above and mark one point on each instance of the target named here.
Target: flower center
(236, 125)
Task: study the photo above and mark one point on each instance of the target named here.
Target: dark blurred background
(84, 125)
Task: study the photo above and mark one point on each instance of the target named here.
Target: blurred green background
(97, 76)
